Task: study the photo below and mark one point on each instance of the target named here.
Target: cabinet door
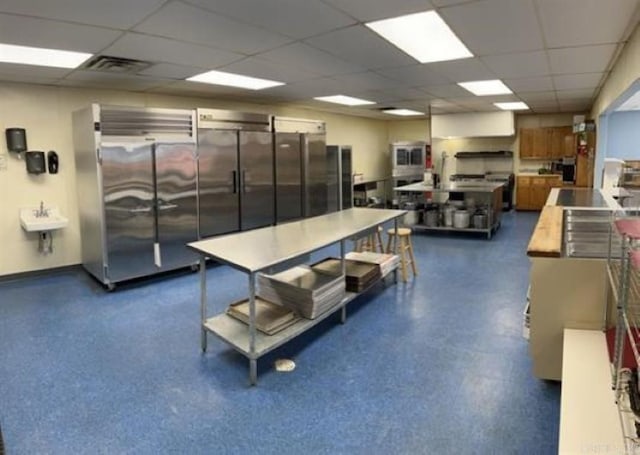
(526, 142)
(569, 144)
(541, 143)
(539, 192)
(556, 145)
(523, 194)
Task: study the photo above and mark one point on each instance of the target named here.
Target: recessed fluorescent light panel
(402, 112)
(234, 80)
(516, 106)
(343, 99)
(424, 36)
(484, 88)
(39, 56)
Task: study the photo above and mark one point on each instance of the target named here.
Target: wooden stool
(372, 242)
(404, 243)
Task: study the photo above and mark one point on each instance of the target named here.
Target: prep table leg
(395, 249)
(343, 272)
(253, 367)
(203, 303)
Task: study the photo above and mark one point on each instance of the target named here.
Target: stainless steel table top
(257, 250)
(471, 187)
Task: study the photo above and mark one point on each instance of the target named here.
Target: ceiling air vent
(120, 65)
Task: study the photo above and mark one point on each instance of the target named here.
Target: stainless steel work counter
(267, 249)
(260, 249)
(452, 187)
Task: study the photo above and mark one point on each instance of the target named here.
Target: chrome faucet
(42, 212)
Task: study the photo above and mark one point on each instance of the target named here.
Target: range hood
(473, 124)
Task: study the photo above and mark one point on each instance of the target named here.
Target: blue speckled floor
(437, 366)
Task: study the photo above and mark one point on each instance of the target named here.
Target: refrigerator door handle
(140, 210)
(164, 205)
(157, 259)
(234, 177)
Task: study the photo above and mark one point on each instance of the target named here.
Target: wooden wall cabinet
(532, 191)
(546, 143)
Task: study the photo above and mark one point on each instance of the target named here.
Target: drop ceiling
(553, 54)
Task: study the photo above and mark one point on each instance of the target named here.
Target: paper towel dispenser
(35, 162)
(16, 139)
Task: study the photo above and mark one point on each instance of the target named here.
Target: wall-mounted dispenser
(35, 162)
(16, 139)
(53, 162)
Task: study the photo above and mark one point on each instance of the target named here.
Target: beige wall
(625, 71)
(45, 112)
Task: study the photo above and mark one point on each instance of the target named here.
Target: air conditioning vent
(120, 65)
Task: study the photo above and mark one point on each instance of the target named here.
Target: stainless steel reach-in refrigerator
(236, 181)
(339, 178)
(301, 168)
(137, 190)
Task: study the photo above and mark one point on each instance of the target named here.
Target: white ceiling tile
(444, 3)
(576, 81)
(409, 94)
(582, 22)
(109, 80)
(525, 64)
(40, 72)
(310, 59)
(307, 89)
(468, 69)
(120, 14)
(295, 18)
(537, 96)
(581, 95)
(495, 26)
(369, 10)
(415, 75)
(447, 91)
(189, 23)
(196, 88)
(171, 71)
(530, 84)
(157, 49)
(482, 100)
(571, 106)
(265, 69)
(361, 46)
(587, 59)
(28, 31)
(26, 79)
(363, 81)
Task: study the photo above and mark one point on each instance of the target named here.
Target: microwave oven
(408, 158)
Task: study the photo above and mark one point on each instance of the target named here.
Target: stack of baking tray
(385, 262)
(270, 318)
(307, 292)
(359, 275)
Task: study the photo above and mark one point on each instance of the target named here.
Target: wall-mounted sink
(40, 219)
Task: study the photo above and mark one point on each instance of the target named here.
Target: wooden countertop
(546, 240)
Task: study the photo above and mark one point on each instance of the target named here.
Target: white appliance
(611, 173)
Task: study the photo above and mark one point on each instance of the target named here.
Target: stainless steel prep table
(267, 250)
(491, 191)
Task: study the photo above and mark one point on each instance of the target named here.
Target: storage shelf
(236, 333)
(487, 231)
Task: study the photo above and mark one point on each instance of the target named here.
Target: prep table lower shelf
(236, 333)
(422, 227)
